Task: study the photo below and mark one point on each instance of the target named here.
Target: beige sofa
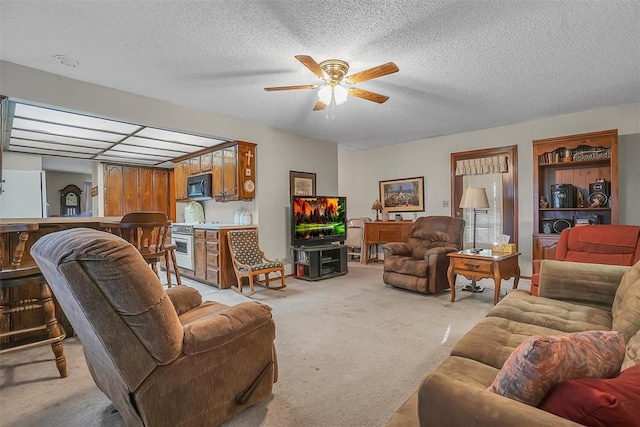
(572, 297)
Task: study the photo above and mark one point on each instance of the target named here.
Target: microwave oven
(199, 187)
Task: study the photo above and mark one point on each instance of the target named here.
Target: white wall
(21, 161)
(277, 151)
(56, 181)
(360, 171)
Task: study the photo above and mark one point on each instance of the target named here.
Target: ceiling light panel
(136, 155)
(31, 125)
(32, 150)
(53, 147)
(179, 137)
(146, 150)
(71, 119)
(165, 145)
(56, 139)
(117, 159)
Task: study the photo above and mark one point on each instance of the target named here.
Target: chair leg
(53, 329)
(167, 265)
(174, 261)
(238, 288)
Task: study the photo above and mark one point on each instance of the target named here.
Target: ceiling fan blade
(269, 89)
(312, 65)
(369, 96)
(372, 73)
(319, 106)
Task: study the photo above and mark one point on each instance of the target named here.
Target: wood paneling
(160, 194)
(146, 191)
(133, 189)
(113, 194)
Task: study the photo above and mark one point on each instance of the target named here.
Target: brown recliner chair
(421, 264)
(164, 359)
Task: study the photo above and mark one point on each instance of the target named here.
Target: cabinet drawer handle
(471, 266)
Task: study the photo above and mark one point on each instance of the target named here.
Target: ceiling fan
(333, 72)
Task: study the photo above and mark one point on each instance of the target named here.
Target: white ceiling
(464, 65)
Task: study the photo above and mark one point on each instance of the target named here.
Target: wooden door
(131, 199)
(230, 180)
(161, 190)
(217, 186)
(146, 201)
(113, 190)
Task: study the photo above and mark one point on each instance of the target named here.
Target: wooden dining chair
(16, 276)
(150, 233)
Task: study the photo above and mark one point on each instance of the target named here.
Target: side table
(483, 265)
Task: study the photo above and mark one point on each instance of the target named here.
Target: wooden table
(484, 265)
(384, 232)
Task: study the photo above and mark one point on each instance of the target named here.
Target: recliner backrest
(435, 231)
(115, 303)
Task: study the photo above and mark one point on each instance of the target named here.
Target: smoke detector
(67, 60)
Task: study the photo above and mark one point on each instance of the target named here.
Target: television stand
(318, 262)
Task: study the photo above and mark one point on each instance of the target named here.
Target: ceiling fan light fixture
(325, 95)
(340, 94)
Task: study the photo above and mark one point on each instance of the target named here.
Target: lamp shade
(377, 206)
(474, 197)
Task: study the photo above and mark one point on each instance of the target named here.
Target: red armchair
(596, 244)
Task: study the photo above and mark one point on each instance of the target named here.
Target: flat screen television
(318, 219)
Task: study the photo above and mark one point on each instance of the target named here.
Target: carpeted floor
(350, 351)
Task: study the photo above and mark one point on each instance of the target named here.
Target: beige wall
(277, 151)
(360, 171)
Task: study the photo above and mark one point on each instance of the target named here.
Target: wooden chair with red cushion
(595, 244)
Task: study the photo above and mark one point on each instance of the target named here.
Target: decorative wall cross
(249, 156)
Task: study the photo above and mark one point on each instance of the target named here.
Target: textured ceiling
(464, 65)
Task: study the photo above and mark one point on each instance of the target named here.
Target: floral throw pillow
(539, 363)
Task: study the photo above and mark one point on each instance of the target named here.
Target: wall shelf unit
(564, 168)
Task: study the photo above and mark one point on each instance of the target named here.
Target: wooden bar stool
(149, 232)
(13, 240)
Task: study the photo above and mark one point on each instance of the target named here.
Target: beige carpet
(350, 351)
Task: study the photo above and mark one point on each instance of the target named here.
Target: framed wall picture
(302, 183)
(402, 195)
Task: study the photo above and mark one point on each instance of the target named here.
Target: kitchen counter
(55, 220)
(223, 226)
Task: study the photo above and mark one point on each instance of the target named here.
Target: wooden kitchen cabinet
(180, 175)
(233, 172)
(206, 162)
(194, 165)
(131, 189)
(200, 255)
(384, 232)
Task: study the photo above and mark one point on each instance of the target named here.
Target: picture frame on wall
(302, 183)
(402, 195)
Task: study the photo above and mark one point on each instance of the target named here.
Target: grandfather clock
(70, 200)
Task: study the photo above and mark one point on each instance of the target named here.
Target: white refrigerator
(24, 194)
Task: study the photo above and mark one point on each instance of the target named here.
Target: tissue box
(505, 248)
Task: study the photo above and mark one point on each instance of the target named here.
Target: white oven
(182, 237)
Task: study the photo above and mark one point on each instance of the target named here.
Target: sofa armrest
(184, 298)
(226, 326)
(397, 248)
(582, 283)
(535, 264)
(444, 401)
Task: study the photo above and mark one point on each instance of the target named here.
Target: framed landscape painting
(402, 195)
(302, 183)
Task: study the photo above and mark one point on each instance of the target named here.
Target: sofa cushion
(598, 402)
(468, 371)
(626, 303)
(539, 363)
(492, 340)
(632, 352)
(550, 313)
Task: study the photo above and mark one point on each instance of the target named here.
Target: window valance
(482, 166)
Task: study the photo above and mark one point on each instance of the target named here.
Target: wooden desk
(484, 265)
(384, 232)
